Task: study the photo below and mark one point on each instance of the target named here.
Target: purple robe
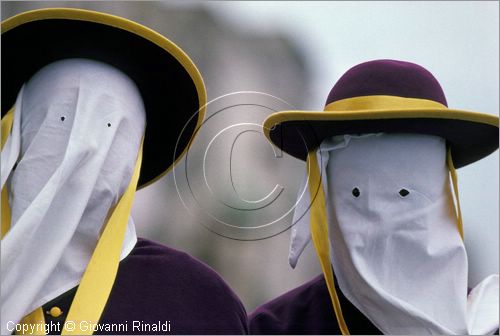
(165, 288)
(308, 310)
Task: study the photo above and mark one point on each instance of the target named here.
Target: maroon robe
(308, 310)
(159, 285)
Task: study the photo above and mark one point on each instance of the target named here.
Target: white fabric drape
(398, 257)
(81, 125)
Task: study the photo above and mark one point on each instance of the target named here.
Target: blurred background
(230, 202)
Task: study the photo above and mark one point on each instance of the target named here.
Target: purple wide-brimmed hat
(386, 96)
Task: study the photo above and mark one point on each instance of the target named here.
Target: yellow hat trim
(376, 108)
(382, 103)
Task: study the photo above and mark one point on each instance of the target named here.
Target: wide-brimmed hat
(386, 96)
(170, 84)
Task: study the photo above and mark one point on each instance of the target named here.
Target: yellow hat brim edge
(377, 114)
(134, 28)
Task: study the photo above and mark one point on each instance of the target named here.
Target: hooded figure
(85, 97)
(381, 210)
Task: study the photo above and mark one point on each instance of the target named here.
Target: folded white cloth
(75, 138)
(396, 250)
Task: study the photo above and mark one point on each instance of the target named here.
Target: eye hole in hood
(403, 192)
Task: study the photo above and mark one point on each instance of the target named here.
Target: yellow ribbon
(319, 234)
(454, 180)
(7, 121)
(34, 323)
(99, 277)
(6, 127)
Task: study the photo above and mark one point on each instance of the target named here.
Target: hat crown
(388, 78)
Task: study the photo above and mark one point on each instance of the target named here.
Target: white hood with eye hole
(396, 250)
(81, 126)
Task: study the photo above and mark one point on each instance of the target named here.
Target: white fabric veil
(78, 126)
(396, 250)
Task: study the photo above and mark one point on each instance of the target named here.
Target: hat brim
(470, 135)
(170, 84)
